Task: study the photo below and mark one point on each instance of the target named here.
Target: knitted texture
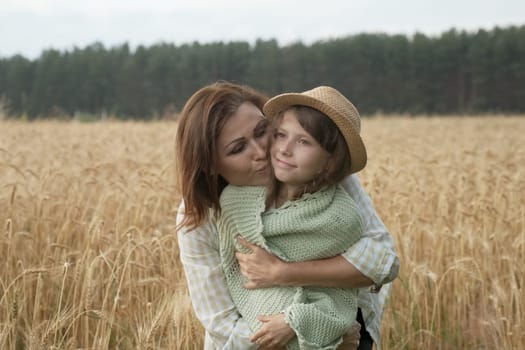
(319, 225)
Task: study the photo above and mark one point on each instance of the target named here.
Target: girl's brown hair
(327, 134)
(200, 123)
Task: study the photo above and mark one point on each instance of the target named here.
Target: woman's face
(242, 145)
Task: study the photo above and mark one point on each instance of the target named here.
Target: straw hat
(337, 107)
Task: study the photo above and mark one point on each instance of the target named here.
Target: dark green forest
(457, 72)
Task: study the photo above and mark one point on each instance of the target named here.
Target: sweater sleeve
(374, 254)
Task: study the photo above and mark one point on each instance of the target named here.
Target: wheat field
(89, 256)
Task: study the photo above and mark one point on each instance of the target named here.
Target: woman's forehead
(239, 125)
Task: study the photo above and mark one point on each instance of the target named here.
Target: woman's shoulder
(351, 184)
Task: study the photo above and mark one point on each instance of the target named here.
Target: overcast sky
(29, 26)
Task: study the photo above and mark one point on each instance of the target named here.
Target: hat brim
(356, 147)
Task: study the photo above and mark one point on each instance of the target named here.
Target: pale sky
(28, 27)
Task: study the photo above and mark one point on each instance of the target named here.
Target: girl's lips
(283, 164)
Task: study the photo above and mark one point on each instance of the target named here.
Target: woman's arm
(211, 300)
(370, 261)
(263, 269)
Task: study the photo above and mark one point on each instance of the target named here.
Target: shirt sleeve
(374, 254)
(213, 306)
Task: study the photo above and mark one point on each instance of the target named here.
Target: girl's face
(242, 145)
(297, 158)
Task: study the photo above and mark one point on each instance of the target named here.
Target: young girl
(302, 215)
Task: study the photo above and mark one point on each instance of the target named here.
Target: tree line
(455, 72)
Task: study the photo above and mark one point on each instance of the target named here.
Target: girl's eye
(279, 134)
(303, 142)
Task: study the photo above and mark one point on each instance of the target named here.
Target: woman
(222, 138)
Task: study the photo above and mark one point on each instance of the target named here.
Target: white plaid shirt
(374, 255)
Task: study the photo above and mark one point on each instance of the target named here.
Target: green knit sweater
(319, 225)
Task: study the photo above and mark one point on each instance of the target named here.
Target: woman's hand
(274, 333)
(351, 338)
(260, 268)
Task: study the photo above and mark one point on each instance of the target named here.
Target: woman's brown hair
(200, 123)
(327, 134)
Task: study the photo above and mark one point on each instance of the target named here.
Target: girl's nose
(285, 148)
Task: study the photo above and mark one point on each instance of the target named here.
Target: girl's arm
(370, 261)
(199, 254)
